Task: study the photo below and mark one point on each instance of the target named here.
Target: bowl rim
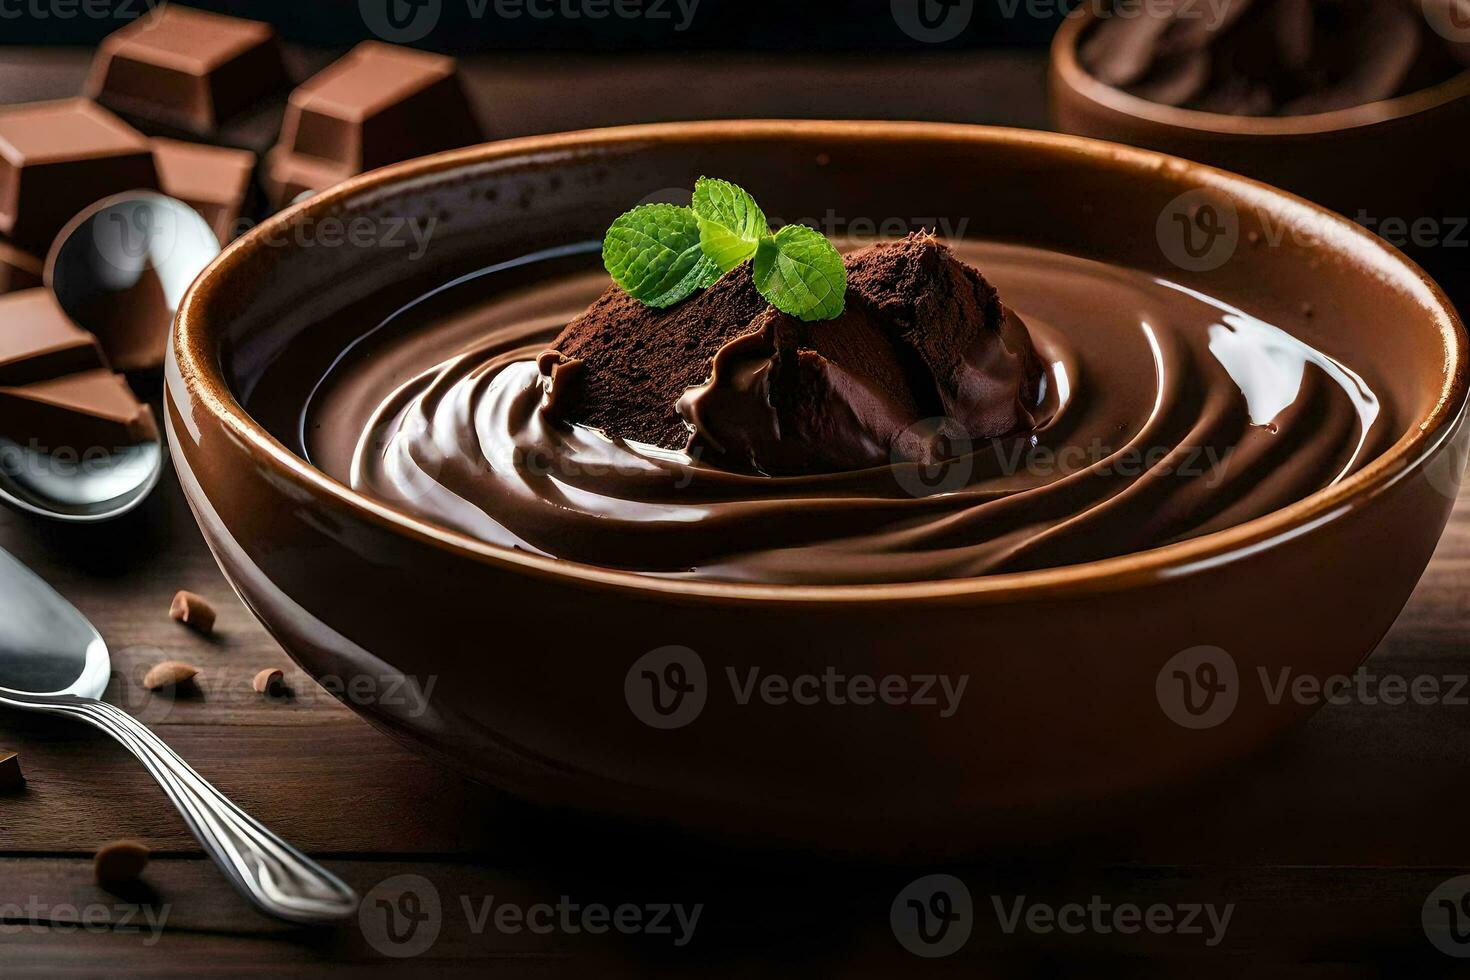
(201, 375)
(1066, 69)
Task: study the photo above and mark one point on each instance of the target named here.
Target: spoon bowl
(78, 491)
(126, 258)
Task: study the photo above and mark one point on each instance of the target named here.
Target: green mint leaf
(653, 253)
(731, 224)
(801, 274)
(724, 247)
(731, 206)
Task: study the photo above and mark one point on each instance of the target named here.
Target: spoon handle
(279, 879)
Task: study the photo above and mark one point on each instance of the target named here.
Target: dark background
(782, 25)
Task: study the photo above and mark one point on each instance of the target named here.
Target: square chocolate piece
(187, 69)
(87, 413)
(288, 175)
(58, 157)
(213, 180)
(18, 270)
(39, 341)
(378, 105)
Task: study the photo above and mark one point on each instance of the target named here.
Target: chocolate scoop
(1272, 57)
(924, 337)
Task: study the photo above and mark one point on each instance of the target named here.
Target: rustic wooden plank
(336, 788)
(749, 919)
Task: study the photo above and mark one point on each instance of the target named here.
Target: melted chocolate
(1171, 414)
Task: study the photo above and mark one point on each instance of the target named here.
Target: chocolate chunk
(380, 104)
(1176, 81)
(187, 69)
(84, 413)
(120, 864)
(965, 357)
(170, 673)
(1292, 26)
(193, 611)
(18, 270)
(288, 175)
(1119, 50)
(12, 780)
(132, 323)
(56, 158)
(1368, 64)
(38, 341)
(635, 361)
(268, 681)
(215, 181)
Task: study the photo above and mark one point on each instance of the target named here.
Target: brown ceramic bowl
(1063, 713)
(1388, 160)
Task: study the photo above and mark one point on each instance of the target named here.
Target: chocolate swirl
(1170, 414)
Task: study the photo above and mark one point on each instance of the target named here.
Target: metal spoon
(136, 251)
(53, 661)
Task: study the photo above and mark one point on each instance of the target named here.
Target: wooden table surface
(1327, 845)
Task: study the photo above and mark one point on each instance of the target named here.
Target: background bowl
(531, 667)
(1385, 162)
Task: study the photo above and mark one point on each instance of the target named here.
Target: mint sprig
(662, 254)
(653, 252)
(794, 271)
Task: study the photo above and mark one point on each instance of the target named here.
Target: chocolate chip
(193, 611)
(120, 863)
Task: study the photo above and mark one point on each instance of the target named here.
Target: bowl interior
(281, 285)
